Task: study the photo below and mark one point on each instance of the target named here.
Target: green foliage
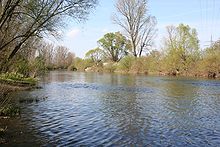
(22, 66)
(211, 59)
(12, 76)
(153, 61)
(95, 55)
(110, 67)
(182, 48)
(81, 64)
(18, 78)
(181, 56)
(39, 65)
(114, 45)
(126, 63)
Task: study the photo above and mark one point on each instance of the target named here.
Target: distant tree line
(179, 55)
(50, 57)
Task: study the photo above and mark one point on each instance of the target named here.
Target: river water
(92, 109)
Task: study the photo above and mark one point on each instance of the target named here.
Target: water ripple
(114, 110)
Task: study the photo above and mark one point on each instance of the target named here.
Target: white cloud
(73, 33)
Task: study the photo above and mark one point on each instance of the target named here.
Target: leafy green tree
(81, 64)
(182, 48)
(114, 45)
(95, 55)
(211, 59)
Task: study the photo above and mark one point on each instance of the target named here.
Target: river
(92, 109)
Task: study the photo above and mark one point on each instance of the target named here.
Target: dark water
(92, 109)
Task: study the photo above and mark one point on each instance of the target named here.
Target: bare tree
(60, 57)
(46, 51)
(139, 26)
(69, 59)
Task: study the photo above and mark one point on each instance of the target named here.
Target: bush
(82, 64)
(125, 63)
(22, 66)
(139, 65)
(109, 67)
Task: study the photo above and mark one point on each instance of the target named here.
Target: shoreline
(202, 76)
(11, 82)
(7, 88)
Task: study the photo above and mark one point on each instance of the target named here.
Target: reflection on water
(119, 110)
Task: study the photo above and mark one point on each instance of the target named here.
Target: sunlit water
(94, 109)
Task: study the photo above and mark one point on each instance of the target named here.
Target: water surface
(92, 109)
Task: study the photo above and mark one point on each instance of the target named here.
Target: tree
(114, 46)
(45, 52)
(69, 59)
(182, 47)
(21, 20)
(211, 60)
(81, 64)
(139, 26)
(61, 57)
(95, 55)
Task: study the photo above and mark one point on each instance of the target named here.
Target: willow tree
(21, 20)
(182, 48)
(138, 24)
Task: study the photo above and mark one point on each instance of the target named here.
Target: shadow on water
(117, 110)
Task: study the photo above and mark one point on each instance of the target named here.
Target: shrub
(110, 67)
(125, 63)
(82, 64)
(139, 65)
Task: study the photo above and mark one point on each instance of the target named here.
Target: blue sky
(204, 15)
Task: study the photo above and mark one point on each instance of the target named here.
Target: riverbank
(208, 75)
(138, 66)
(10, 82)
(7, 88)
